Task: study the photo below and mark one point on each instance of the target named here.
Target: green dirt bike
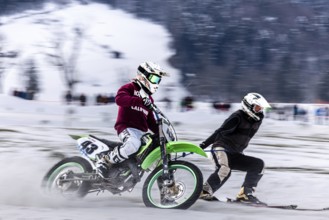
(172, 183)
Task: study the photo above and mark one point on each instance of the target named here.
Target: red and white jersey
(132, 113)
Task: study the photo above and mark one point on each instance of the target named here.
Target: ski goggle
(257, 108)
(154, 79)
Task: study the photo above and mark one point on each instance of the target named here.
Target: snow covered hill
(112, 45)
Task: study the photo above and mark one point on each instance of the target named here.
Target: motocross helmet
(253, 104)
(149, 76)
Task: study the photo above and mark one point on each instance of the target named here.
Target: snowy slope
(105, 31)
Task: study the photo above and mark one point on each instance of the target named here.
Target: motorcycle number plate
(91, 147)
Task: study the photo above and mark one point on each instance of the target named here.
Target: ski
(287, 207)
(229, 200)
(312, 209)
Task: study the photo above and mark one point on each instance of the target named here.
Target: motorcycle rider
(228, 143)
(135, 116)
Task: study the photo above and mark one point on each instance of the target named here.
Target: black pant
(226, 162)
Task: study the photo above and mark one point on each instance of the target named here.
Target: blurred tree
(322, 88)
(244, 45)
(67, 63)
(2, 66)
(5, 57)
(31, 78)
(239, 45)
(288, 84)
(14, 6)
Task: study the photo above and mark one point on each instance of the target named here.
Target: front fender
(172, 147)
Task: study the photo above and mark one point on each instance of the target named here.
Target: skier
(228, 143)
(135, 116)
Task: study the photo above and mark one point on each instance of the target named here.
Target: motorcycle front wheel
(63, 178)
(183, 193)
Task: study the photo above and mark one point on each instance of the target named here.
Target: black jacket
(235, 133)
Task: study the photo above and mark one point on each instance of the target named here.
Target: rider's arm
(152, 123)
(125, 97)
(228, 126)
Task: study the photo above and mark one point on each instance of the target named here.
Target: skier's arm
(228, 127)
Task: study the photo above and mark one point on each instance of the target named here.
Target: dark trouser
(226, 162)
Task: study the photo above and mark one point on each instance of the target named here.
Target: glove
(147, 103)
(203, 145)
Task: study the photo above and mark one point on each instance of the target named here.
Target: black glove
(203, 145)
(147, 103)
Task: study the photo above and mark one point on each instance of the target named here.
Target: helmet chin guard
(254, 104)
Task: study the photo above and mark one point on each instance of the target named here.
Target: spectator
(68, 97)
(111, 98)
(187, 103)
(220, 106)
(83, 99)
(295, 112)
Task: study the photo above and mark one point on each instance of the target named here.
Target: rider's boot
(103, 165)
(246, 196)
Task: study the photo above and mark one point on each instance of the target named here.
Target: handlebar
(163, 119)
(156, 109)
(158, 113)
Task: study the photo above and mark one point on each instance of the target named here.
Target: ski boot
(207, 193)
(246, 196)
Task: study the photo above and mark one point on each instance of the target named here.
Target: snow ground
(295, 154)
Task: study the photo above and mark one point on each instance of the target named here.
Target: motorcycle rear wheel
(188, 181)
(54, 181)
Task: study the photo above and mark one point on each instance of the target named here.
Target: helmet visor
(154, 79)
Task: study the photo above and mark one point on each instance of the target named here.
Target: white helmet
(254, 103)
(149, 76)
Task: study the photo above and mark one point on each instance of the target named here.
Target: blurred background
(227, 48)
(224, 49)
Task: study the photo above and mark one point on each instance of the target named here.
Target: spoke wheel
(182, 194)
(61, 178)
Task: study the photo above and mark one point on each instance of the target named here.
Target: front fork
(167, 179)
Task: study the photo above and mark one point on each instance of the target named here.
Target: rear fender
(172, 147)
(76, 137)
